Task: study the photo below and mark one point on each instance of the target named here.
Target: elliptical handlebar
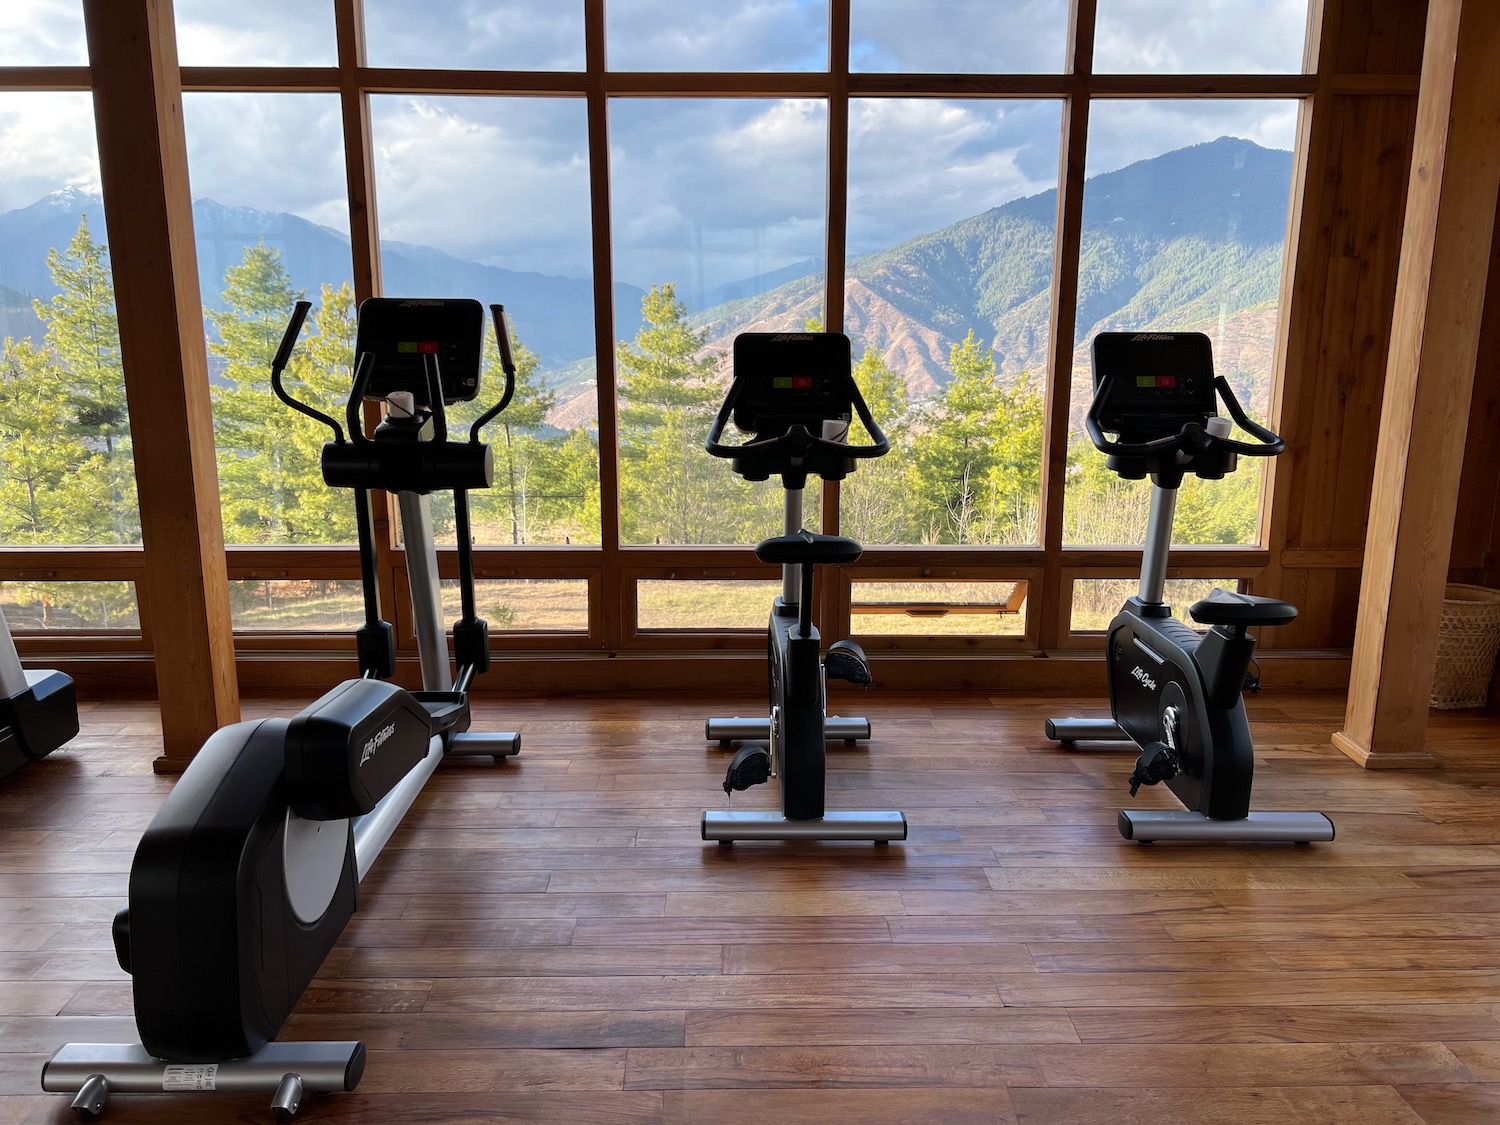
(507, 365)
(797, 437)
(1193, 438)
(364, 368)
(284, 356)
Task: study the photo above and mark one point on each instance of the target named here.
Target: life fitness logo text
(1139, 673)
(375, 743)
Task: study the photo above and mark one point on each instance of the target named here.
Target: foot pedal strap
(751, 765)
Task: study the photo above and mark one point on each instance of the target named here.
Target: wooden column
(1440, 288)
(149, 218)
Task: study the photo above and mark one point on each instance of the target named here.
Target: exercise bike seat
(1225, 607)
(807, 547)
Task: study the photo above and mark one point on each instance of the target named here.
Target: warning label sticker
(203, 1077)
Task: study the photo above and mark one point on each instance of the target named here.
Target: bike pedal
(751, 765)
(846, 661)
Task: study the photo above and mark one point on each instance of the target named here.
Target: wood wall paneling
(1444, 265)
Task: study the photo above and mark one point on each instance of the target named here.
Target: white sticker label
(175, 1078)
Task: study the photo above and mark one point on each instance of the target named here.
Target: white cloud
(498, 180)
(501, 34)
(265, 33)
(42, 33)
(709, 191)
(1206, 36)
(275, 152)
(959, 36)
(723, 35)
(46, 142)
(916, 165)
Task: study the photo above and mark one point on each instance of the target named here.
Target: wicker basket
(1468, 639)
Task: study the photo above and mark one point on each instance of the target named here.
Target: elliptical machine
(249, 872)
(38, 708)
(1174, 692)
(795, 394)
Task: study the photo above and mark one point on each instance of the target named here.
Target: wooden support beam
(1440, 289)
(149, 218)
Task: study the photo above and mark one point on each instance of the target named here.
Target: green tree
(670, 492)
(271, 485)
(976, 468)
(876, 502)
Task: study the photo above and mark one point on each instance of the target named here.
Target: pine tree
(270, 479)
(668, 396)
(83, 336)
(977, 465)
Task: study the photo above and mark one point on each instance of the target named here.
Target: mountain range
(1189, 239)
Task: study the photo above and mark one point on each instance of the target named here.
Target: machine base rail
(1086, 730)
(835, 727)
(880, 827)
(484, 744)
(288, 1071)
(1150, 825)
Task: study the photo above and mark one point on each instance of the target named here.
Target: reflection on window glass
(533, 605)
(1187, 235)
(264, 240)
(67, 472)
(42, 33)
(952, 220)
(1097, 600)
(958, 36)
(489, 198)
(266, 33)
(476, 34)
(727, 35)
(1169, 37)
(719, 229)
(937, 609)
(45, 607)
(671, 604)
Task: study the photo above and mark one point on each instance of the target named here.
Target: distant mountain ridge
(553, 315)
(1188, 239)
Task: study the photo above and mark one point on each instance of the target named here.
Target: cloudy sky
(704, 191)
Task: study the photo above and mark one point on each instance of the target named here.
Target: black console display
(1158, 381)
(791, 378)
(401, 333)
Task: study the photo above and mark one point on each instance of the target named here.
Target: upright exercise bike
(38, 708)
(251, 869)
(1174, 692)
(795, 395)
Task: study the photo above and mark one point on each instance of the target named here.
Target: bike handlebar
(1191, 438)
(798, 438)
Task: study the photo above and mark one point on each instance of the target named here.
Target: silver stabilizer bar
(835, 728)
(288, 1071)
(727, 827)
(1147, 826)
(1086, 730)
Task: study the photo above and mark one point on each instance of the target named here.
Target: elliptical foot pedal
(751, 765)
(846, 661)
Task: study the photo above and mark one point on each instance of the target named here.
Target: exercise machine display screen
(791, 377)
(401, 334)
(1159, 380)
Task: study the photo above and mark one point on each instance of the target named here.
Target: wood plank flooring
(549, 940)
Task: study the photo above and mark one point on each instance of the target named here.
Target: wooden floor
(549, 939)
